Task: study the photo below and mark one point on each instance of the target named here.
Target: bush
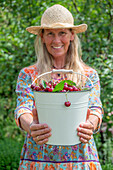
(107, 166)
(10, 150)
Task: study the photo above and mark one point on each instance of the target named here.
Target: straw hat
(55, 17)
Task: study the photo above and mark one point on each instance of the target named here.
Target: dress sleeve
(25, 97)
(95, 104)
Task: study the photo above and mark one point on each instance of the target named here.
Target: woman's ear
(72, 35)
(42, 37)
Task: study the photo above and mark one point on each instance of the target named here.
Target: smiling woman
(57, 46)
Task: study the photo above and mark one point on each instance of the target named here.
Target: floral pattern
(46, 157)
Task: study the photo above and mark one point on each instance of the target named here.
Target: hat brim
(78, 29)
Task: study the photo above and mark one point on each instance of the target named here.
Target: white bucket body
(62, 120)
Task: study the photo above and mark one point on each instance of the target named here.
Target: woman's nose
(56, 39)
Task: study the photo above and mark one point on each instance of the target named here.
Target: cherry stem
(66, 96)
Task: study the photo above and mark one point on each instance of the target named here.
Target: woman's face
(57, 41)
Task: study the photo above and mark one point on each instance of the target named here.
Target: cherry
(75, 88)
(65, 87)
(50, 89)
(32, 86)
(37, 88)
(63, 90)
(54, 85)
(46, 89)
(65, 84)
(70, 88)
(67, 104)
(50, 85)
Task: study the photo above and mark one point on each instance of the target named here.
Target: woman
(57, 46)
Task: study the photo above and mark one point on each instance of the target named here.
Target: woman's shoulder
(29, 72)
(89, 71)
(29, 69)
(92, 74)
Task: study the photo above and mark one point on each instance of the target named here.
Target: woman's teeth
(57, 47)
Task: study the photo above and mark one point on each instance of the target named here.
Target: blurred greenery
(17, 51)
(10, 154)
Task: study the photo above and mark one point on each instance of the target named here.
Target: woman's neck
(58, 67)
(59, 64)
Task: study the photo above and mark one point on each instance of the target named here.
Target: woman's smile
(59, 47)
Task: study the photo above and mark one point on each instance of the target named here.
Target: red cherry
(54, 85)
(47, 88)
(63, 90)
(50, 89)
(65, 87)
(70, 88)
(50, 85)
(67, 104)
(41, 86)
(75, 88)
(65, 84)
(37, 88)
(32, 86)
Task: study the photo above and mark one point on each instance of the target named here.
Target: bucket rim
(63, 92)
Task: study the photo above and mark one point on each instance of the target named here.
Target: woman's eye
(63, 33)
(50, 33)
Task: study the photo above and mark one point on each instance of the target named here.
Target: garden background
(17, 51)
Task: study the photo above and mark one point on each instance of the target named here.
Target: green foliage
(107, 166)
(17, 51)
(10, 150)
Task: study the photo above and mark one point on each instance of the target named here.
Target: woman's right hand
(39, 132)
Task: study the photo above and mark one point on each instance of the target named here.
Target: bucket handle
(62, 71)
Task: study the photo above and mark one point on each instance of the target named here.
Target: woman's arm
(25, 121)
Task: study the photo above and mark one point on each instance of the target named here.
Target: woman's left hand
(85, 131)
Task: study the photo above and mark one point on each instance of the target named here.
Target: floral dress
(52, 157)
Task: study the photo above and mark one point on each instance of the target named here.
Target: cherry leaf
(44, 84)
(60, 85)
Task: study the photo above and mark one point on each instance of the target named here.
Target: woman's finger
(86, 125)
(83, 140)
(42, 142)
(35, 127)
(84, 136)
(42, 137)
(41, 132)
(85, 131)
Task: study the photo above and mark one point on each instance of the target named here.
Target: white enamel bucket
(62, 120)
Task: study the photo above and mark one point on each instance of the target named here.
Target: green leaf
(60, 85)
(44, 84)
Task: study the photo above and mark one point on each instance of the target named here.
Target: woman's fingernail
(45, 126)
(79, 128)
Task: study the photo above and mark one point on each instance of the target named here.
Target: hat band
(57, 25)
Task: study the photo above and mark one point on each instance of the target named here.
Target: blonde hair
(73, 59)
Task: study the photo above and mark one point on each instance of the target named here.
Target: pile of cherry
(62, 86)
(50, 87)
